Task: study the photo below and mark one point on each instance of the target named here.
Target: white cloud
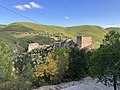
(31, 5)
(27, 6)
(35, 5)
(19, 7)
(67, 17)
(118, 25)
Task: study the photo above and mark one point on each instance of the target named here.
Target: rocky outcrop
(85, 84)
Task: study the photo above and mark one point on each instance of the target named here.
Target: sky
(61, 12)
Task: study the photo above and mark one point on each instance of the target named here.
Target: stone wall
(84, 42)
(33, 46)
(36, 46)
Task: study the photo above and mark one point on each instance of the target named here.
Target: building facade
(84, 42)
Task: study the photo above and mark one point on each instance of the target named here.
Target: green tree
(62, 58)
(21, 61)
(78, 63)
(5, 62)
(105, 62)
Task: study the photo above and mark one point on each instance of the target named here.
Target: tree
(61, 56)
(78, 63)
(21, 61)
(105, 62)
(5, 62)
(47, 71)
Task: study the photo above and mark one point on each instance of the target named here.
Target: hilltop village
(81, 42)
(31, 58)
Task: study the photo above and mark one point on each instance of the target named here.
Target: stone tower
(84, 42)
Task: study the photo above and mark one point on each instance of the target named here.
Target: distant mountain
(24, 30)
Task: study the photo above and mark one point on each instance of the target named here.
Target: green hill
(97, 33)
(27, 26)
(113, 28)
(2, 26)
(24, 30)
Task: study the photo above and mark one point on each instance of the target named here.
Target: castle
(82, 42)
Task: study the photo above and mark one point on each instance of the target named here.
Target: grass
(24, 41)
(22, 30)
(97, 33)
(113, 28)
(2, 26)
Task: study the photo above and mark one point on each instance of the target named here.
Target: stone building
(65, 43)
(33, 46)
(84, 42)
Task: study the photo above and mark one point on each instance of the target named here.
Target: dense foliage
(24, 70)
(5, 62)
(105, 62)
(78, 60)
(24, 29)
(45, 66)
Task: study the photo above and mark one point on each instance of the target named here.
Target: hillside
(2, 26)
(113, 28)
(27, 26)
(22, 30)
(96, 32)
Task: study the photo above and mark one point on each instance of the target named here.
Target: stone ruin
(36, 46)
(82, 42)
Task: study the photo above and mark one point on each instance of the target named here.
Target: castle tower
(84, 42)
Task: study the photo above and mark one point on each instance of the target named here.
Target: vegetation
(24, 41)
(22, 70)
(105, 62)
(2, 26)
(26, 29)
(78, 63)
(113, 29)
(87, 30)
(23, 29)
(5, 62)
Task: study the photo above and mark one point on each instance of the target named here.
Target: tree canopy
(105, 62)
(5, 62)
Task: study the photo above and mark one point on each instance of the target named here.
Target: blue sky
(62, 12)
